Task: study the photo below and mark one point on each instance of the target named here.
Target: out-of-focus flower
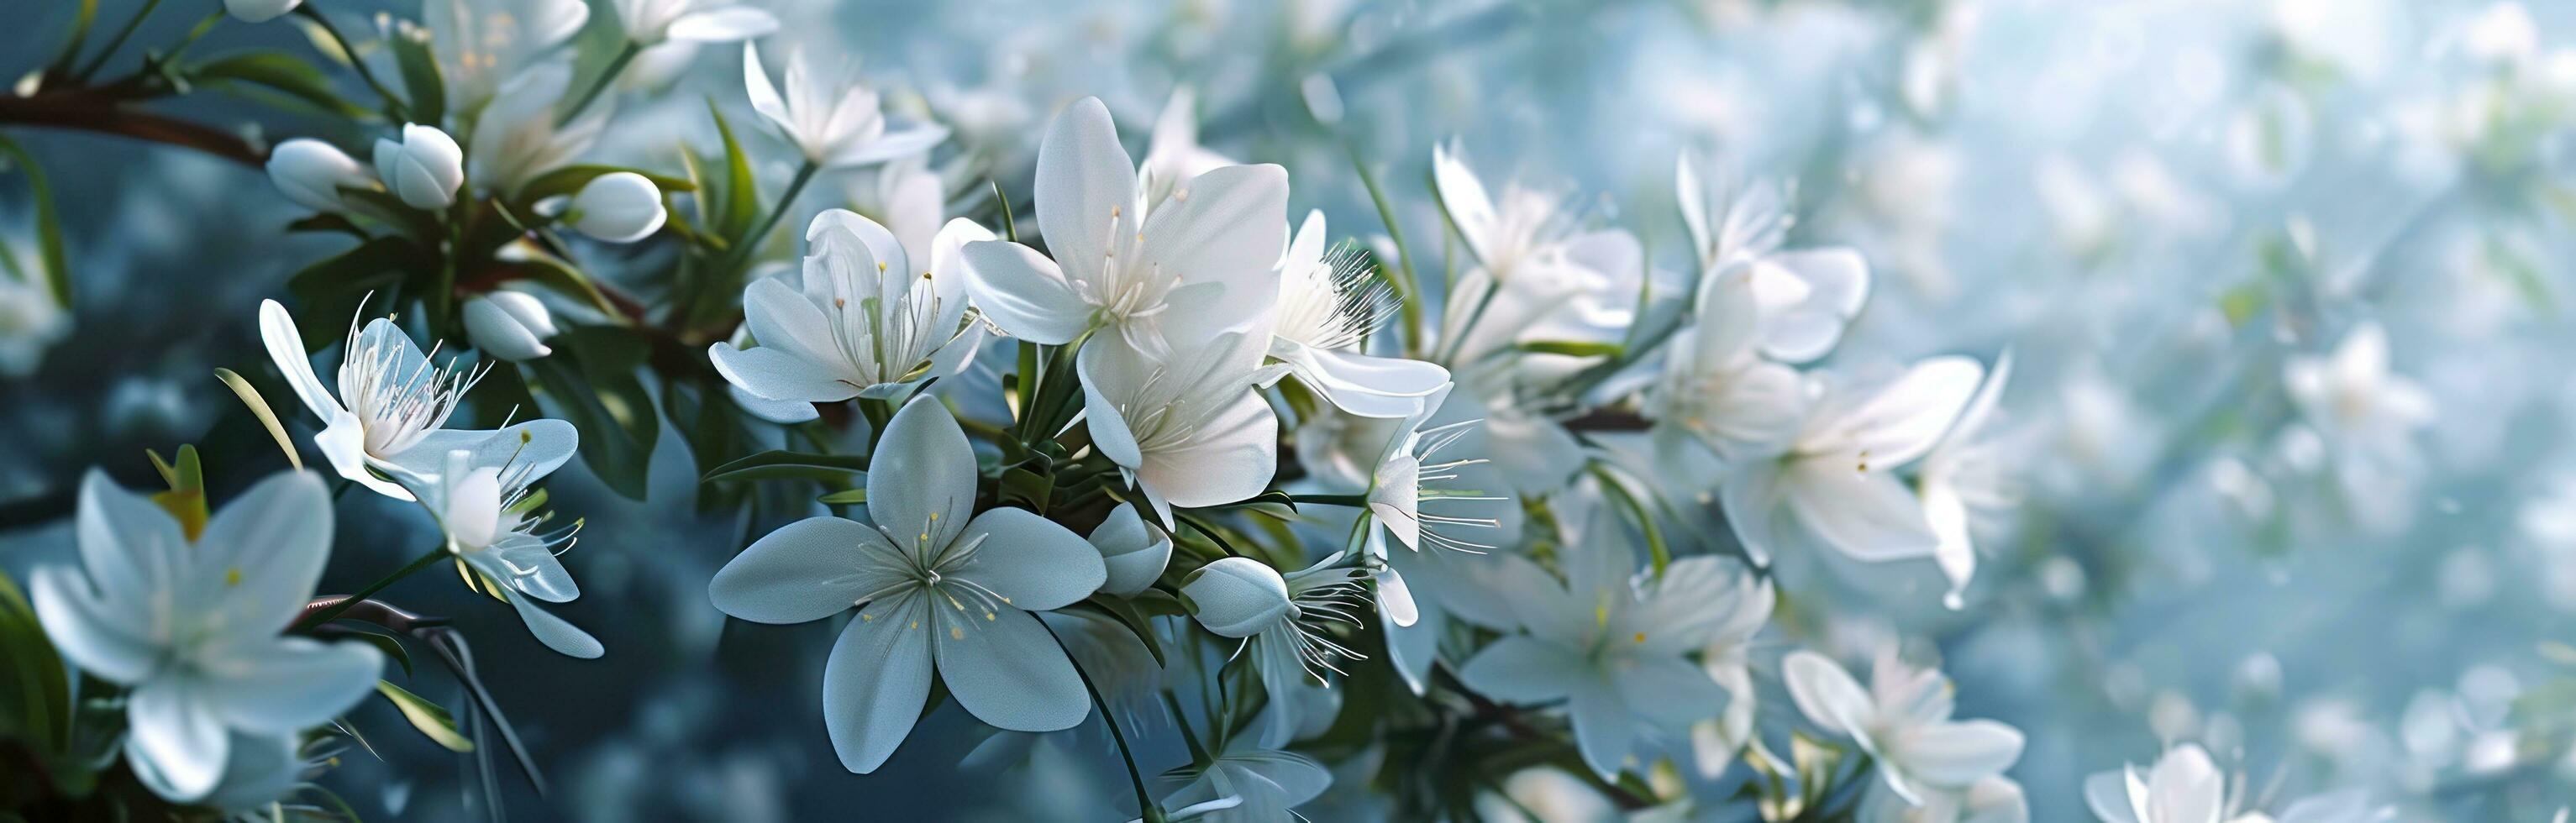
(1903, 722)
(1134, 550)
(650, 22)
(424, 168)
(395, 403)
(1728, 660)
(509, 325)
(1203, 262)
(1189, 431)
(187, 617)
(932, 587)
(1608, 645)
(2368, 417)
(259, 11)
(31, 320)
(617, 207)
(1328, 307)
(1992, 800)
(518, 137)
(1285, 619)
(1960, 476)
(861, 321)
(1838, 480)
(492, 528)
(312, 173)
(1246, 784)
(1398, 490)
(1802, 298)
(1716, 392)
(835, 125)
(2184, 786)
(1172, 154)
(481, 43)
(1536, 280)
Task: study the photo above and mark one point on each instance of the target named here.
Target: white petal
(776, 411)
(495, 332)
(1230, 458)
(285, 345)
(876, 681)
(1826, 694)
(129, 544)
(1023, 292)
(1666, 690)
(2186, 788)
(1603, 730)
(764, 97)
(893, 145)
(113, 643)
(1693, 197)
(1905, 418)
(2107, 794)
(175, 737)
(1750, 497)
(1007, 671)
(1837, 281)
(1222, 226)
(285, 685)
(276, 535)
(722, 25)
(1086, 187)
(343, 443)
(1394, 598)
(1955, 755)
(806, 570)
(525, 452)
(781, 317)
(563, 637)
(1519, 669)
(1868, 515)
(773, 374)
(1464, 197)
(1369, 386)
(1412, 649)
(1033, 562)
(1133, 552)
(921, 480)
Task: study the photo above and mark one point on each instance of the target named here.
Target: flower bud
(618, 207)
(509, 325)
(259, 11)
(1134, 551)
(424, 169)
(312, 173)
(1236, 596)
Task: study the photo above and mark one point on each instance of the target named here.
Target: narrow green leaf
(741, 194)
(1570, 348)
(845, 497)
(49, 221)
(432, 721)
(780, 464)
(591, 382)
(81, 21)
(428, 103)
(392, 647)
(284, 73)
(259, 409)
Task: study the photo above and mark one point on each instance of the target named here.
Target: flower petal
(773, 374)
(892, 145)
(1521, 669)
(110, 642)
(1007, 671)
(285, 345)
(807, 570)
(1034, 562)
(722, 25)
(129, 544)
(776, 411)
(1227, 226)
(1603, 730)
(1231, 457)
(175, 738)
(876, 680)
(1133, 552)
(921, 480)
(275, 537)
(343, 443)
(1368, 386)
(764, 97)
(1956, 755)
(1906, 417)
(1867, 515)
(285, 685)
(1023, 293)
(1668, 691)
(523, 452)
(1827, 694)
(2186, 787)
(563, 637)
(1086, 188)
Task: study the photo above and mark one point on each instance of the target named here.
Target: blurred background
(2162, 208)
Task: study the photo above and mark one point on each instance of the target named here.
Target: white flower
(834, 125)
(391, 404)
(907, 197)
(517, 138)
(1805, 297)
(1903, 722)
(1837, 478)
(1328, 307)
(1202, 262)
(932, 588)
(1403, 481)
(492, 526)
(1173, 154)
(1992, 800)
(617, 207)
(1247, 784)
(861, 321)
(1285, 619)
(1186, 432)
(2184, 786)
(189, 624)
(1538, 281)
(1962, 474)
(31, 321)
(1609, 646)
(312, 173)
(1134, 550)
(480, 43)
(649, 22)
(1728, 660)
(424, 169)
(1522, 229)
(509, 325)
(1716, 392)
(2355, 402)
(259, 11)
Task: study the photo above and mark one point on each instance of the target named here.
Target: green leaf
(49, 222)
(259, 409)
(1570, 348)
(591, 382)
(35, 691)
(1136, 621)
(740, 199)
(1659, 552)
(278, 71)
(428, 103)
(562, 277)
(80, 35)
(845, 497)
(570, 179)
(781, 464)
(432, 721)
(327, 222)
(386, 643)
(333, 288)
(1027, 489)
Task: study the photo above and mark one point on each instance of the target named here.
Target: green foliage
(591, 381)
(337, 285)
(49, 222)
(421, 83)
(276, 72)
(780, 464)
(432, 720)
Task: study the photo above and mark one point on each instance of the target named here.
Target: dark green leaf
(1027, 489)
(789, 465)
(386, 643)
(591, 382)
(35, 691)
(432, 720)
(333, 288)
(49, 223)
(845, 497)
(428, 103)
(740, 199)
(278, 71)
(327, 222)
(1136, 621)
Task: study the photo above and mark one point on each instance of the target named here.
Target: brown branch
(94, 111)
(1607, 420)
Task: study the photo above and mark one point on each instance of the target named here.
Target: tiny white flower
(189, 623)
(480, 43)
(1284, 618)
(1837, 479)
(1411, 473)
(1189, 431)
(834, 124)
(424, 168)
(1805, 297)
(933, 588)
(861, 319)
(517, 138)
(1201, 261)
(509, 325)
(1609, 646)
(650, 22)
(617, 207)
(1961, 475)
(493, 528)
(312, 173)
(259, 11)
(391, 405)
(1903, 722)
(1328, 307)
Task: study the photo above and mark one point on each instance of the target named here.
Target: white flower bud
(259, 11)
(509, 325)
(618, 207)
(424, 169)
(1237, 596)
(312, 173)
(1134, 551)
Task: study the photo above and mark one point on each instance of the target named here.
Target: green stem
(742, 250)
(606, 76)
(1410, 305)
(396, 109)
(1353, 500)
(326, 615)
(1144, 801)
(116, 42)
(1198, 754)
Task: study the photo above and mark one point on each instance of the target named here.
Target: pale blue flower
(1903, 722)
(1247, 783)
(933, 588)
(493, 527)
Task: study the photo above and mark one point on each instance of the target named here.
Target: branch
(87, 110)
